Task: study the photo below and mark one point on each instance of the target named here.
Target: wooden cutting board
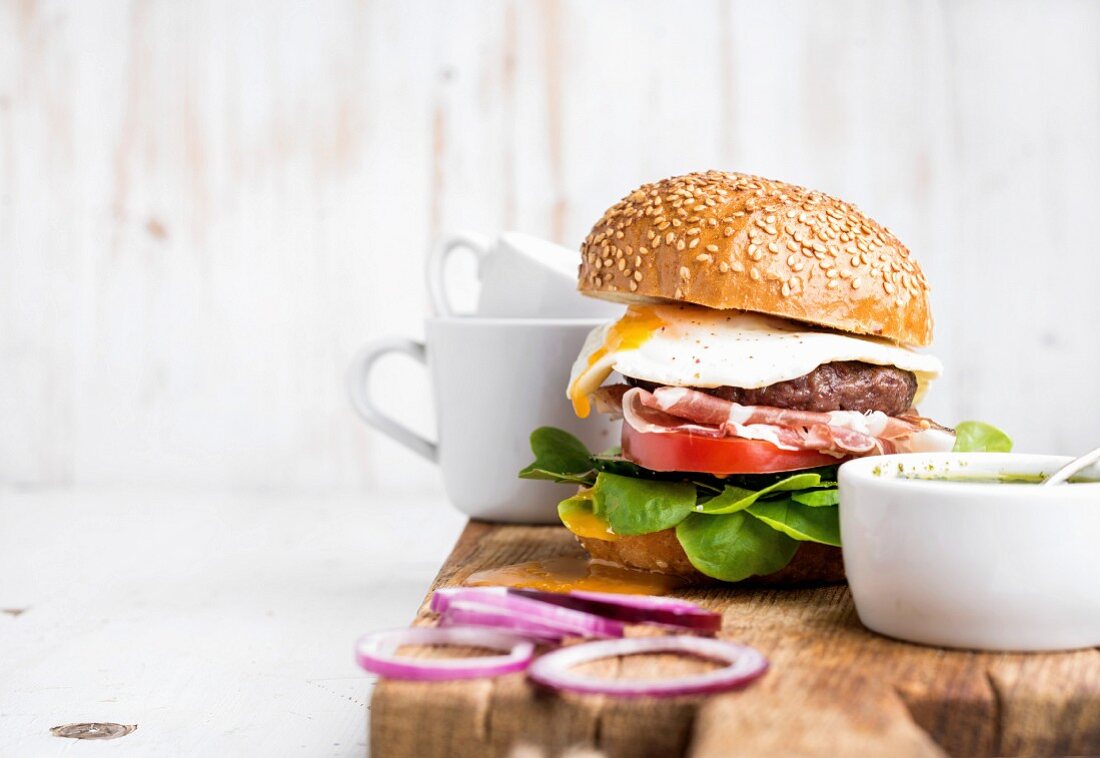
(834, 688)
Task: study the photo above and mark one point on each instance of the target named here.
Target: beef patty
(842, 386)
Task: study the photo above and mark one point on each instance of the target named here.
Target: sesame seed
(737, 266)
(622, 264)
(669, 238)
(680, 245)
(786, 290)
(773, 247)
(685, 272)
(633, 286)
(705, 257)
(754, 274)
(723, 266)
(693, 243)
(712, 248)
(679, 294)
(637, 276)
(833, 284)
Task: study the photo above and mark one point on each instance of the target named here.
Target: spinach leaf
(733, 499)
(734, 546)
(559, 457)
(760, 481)
(980, 437)
(801, 522)
(640, 506)
(817, 498)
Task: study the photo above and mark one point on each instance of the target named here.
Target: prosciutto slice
(694, 405)
(839, 433)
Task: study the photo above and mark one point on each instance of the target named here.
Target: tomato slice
(682, 451)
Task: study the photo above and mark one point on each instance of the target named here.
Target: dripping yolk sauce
(628, 333)
(567, 573)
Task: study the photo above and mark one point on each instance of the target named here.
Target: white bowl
(988, 566)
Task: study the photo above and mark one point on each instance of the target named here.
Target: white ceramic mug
(494, 381)
(521, 277)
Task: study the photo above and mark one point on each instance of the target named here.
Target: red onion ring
(377, 653)
(681, 615)
(473, 614)
(646, 602)
(746, 664)
(517, 612)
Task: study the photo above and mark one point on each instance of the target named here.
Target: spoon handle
(1073, 467)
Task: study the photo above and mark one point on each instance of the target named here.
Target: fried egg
(691, 346)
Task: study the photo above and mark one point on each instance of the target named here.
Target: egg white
(690, 346)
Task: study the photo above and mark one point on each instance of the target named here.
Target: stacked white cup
(496, 374)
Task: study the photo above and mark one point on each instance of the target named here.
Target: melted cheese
(690, 346)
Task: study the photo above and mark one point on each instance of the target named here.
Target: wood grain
(834, 688)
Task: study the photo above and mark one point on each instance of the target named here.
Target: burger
(768, 336)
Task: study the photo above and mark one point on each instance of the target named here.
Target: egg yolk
(628, 333)
(588, 524)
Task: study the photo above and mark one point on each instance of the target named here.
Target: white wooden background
(205, 207)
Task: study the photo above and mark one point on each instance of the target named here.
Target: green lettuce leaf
(980, 437)
(801, 522)
(734, 546)
(640, 506)
(733, 499)
(559, 457)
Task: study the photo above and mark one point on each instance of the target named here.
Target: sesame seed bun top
(726, 240)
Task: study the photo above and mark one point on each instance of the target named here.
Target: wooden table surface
(220, 625)
(833, 689)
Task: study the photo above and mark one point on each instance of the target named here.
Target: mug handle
(478, 244)
(358, 376)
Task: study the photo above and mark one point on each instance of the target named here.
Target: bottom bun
(661, 552)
